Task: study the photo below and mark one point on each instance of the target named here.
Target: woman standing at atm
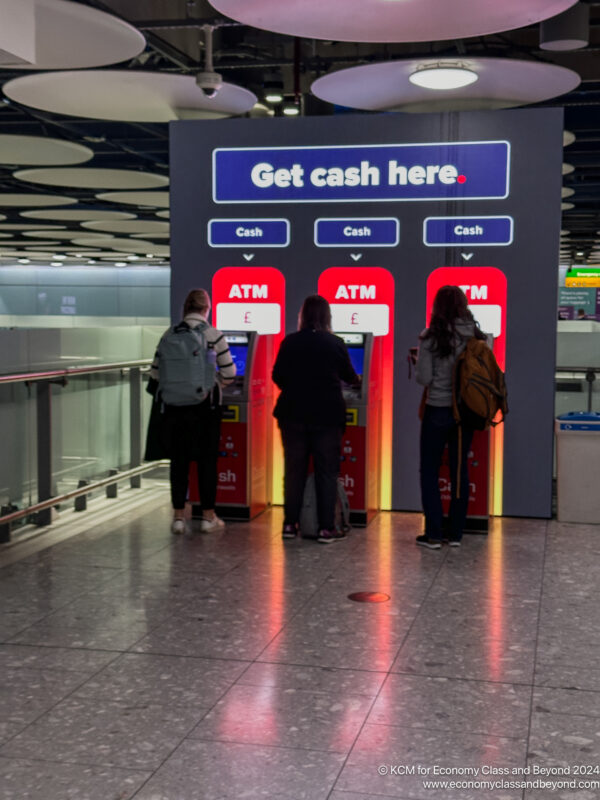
(311, 412)
(450, 327)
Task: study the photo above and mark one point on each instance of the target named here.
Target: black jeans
(193, 435)
(439, 429)
(323, 443)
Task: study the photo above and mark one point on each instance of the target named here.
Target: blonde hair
(197, 300)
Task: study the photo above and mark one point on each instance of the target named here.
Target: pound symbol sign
(354, 318)
(247, 317)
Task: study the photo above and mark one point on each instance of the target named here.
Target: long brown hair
(315, 314)
(450, 306)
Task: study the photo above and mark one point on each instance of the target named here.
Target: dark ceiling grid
(248, 56)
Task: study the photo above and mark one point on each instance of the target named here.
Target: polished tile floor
(136, 664)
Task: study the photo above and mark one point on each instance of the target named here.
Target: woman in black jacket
(311, 412)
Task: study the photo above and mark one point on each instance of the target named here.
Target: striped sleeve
(224, 361)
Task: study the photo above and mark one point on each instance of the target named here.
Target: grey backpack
(309, 521)
(186, 365)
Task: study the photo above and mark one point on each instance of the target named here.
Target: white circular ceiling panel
(87, 239)
(127, 95)
(74, 36)
(143, 199)
(28, 242)
(64, 234)
(502, 83)
(23, 200)
(390, 20)
(76, 214)
(40, 150)
(139, 226)
(92, 178)
(8, 226)
(153, 236)
(163, 214)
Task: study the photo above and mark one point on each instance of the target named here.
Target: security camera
(209, 82)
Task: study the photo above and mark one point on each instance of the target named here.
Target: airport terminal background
(139, 665)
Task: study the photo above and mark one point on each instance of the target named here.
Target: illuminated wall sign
(460, 231)
(357, 231)
(249, 299)
(485, 288)
(459, 170)
(248, 233)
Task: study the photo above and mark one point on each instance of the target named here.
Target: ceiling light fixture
(567, 31)
(443, 76)
(273, 91)
(291, 110)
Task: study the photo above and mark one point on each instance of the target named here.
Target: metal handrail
(88, 489)
(577, 369)
(55, 374)
(43, 383)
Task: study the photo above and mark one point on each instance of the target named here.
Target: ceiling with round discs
(127, 95)
(41, 151)
(108, 75)
(92, 178)
(501, 83)
(71, 35)
(390, 20)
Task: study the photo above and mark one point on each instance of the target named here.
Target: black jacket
(309, 369)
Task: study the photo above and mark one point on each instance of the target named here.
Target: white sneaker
(178, 526)
(209, 525)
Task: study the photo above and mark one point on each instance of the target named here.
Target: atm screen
(357, 357)
(239, 354)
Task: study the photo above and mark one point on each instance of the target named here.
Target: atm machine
(486, 290)
(360, 468)
(244, 468)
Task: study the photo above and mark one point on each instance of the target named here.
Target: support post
(80, 503)
(135, 424)
(111, 489)
(44, 448)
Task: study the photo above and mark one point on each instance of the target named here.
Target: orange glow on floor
(495, 599)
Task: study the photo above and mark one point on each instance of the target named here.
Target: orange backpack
(479, 388)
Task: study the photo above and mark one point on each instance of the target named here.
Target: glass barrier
(18, 465)
(576, 392)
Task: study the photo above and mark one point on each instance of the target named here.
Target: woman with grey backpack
(191, 364)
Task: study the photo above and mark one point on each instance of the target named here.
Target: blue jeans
(439, 429)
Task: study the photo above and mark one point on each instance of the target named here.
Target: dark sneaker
(432, 544)
(289, 531)
(328, 536)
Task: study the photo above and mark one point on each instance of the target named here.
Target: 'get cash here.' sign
(437, 171)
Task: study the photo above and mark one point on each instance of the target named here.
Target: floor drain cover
(369, 597)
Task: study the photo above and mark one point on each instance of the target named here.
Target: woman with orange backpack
(450, 328)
